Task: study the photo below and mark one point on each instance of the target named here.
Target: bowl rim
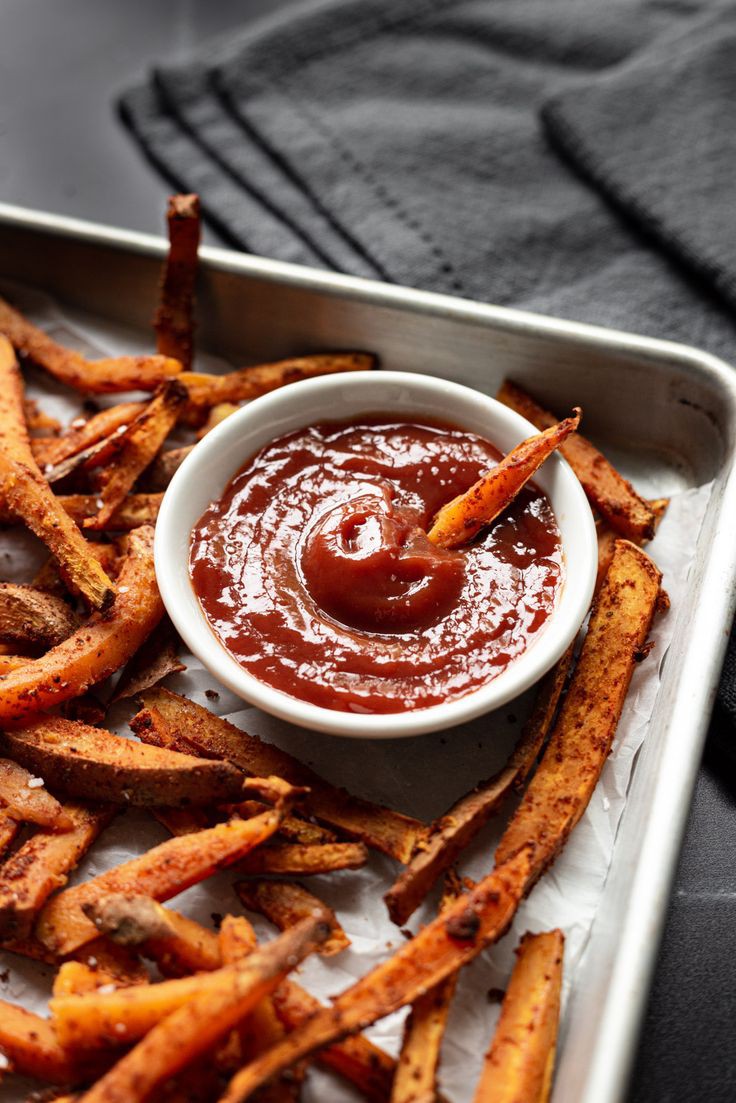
(229, 446)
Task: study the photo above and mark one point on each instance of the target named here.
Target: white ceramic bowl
(207, 470)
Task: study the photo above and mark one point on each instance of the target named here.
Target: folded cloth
(574, 157)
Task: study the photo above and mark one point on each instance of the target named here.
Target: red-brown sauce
(315, 572)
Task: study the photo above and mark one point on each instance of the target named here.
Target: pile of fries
(148, 1004)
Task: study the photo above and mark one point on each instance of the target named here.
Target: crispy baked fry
(463, 518)
(439, 949)
(106, 376)
(293, 829)
(48, 579)
(97, 965)
(39, 421)
(25, 798)
(416, 1071)
(9, 828)
(178, 945)
(139, 444)
(520, 1061)
(30, 1044)
(559, 792)
(612, 495)
(79, 437)
(31, 617)
(27, 496)
(450, 834)
(378, 827)
(162, 872)
(236, 386)
(95, 764)
(285, 903)
(97, 648)
(134, 510)
(42, 864)
(183, 821)
(174, 322)
(224, 998)
(154, 661)
(293, 858)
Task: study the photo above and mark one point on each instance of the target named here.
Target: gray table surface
(62, 150)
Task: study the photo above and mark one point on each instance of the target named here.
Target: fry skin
(612, 495)
(26, 495)
(155, 660)
(381, 828)
(174, 321)
(229, 994)
(518, 1066)
(89, 762)
(178, 945)
(97, 648)
(463, 518)
(106, 376)
(559, 792)
(32, 618)
(285, 903)
(97, 965)
(42, 864)
(29, 803)
(162, 872)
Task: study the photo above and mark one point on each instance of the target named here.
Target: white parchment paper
(421, 776)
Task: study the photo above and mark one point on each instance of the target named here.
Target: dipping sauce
(315, 572)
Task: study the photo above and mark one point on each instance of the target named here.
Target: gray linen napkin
(575, 157)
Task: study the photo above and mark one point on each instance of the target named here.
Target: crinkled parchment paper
(420, 776)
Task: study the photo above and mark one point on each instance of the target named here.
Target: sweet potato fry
(463, 518)
(439, 949)
(27, 496)
(183, 821)
(97, 965)
(450, 834)
(97, 648)
(559, 792)
(174, 322)
(416, 1072)
(133, 511)
(106, 376)
(292, 828)
(612, 495)
(222, 1000)
(236, 938)
(9, 828)
(139, 444)
(32, 618)
(178, 945)
(519, 1063)
(37, 420)
(30, 1044)
(53, 450)
(293, 858)
(25, 798)
(42, 864)
(155, 660)
(381, 828)
(48, 579)
(285, 903)
(162, 872)
(92, 763)
(236, 386)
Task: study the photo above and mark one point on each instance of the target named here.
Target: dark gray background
(62, 149)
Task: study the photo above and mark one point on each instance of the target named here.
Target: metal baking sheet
(665, 412)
